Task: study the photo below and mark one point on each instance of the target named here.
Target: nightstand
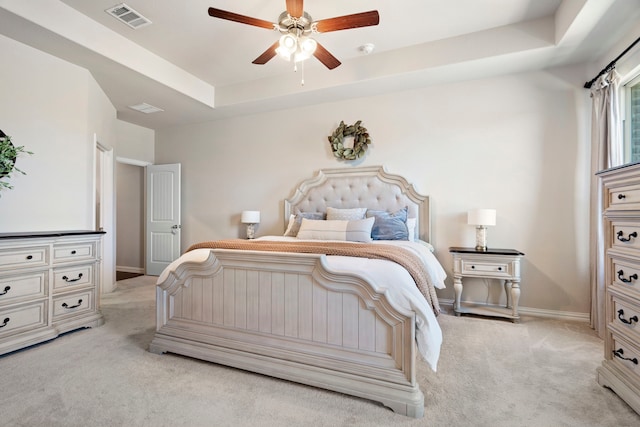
(502, 264)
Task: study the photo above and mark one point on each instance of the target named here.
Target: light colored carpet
(540, 372)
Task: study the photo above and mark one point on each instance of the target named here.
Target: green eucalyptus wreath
(361, 141)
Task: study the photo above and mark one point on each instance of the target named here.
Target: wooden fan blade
(230, 16)
(266, 55)
(326, 57)
(294, 8)
(364, 19)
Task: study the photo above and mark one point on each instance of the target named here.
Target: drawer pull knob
(69, 307)
(73, 252)
(629, 280)
(631, 320)
(621, 237)
(4, 323)
(473, 267)
(619, 354)
(29, 256)
(499, 268)
(66, 279)
(6, 290)
(621, 196)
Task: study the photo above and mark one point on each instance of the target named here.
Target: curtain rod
(611, 65)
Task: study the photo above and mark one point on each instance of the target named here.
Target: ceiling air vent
(145, 108)
(124, 13)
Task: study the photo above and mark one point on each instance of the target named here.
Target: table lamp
(251, 218)
(481, 218)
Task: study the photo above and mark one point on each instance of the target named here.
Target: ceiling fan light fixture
(306, 47)
(287, 46)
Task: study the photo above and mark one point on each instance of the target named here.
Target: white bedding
(388, 277)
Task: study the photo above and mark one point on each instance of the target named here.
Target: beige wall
(514, 143)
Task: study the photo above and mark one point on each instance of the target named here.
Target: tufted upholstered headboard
(368, 187)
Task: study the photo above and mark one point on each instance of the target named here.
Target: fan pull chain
(295, 70)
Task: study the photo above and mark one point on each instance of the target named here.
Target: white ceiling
(199, 68)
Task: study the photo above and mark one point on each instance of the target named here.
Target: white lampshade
(250, 217)
(481, 217)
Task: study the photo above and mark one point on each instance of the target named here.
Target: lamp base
(481, 238)
(251, 231)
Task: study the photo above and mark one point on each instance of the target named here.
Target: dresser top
(35, 234)
(489, 251)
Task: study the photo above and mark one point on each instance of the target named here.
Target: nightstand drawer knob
(621, 196)
(6, 320)
(631, 320)
(629, 280)
(6, 290)
(473, 267)
(619, 354)
(621, 237)
(499, 268)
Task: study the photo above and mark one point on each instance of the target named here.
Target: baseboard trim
(537, 312)
(130, 269)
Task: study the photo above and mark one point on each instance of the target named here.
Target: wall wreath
(361, 141)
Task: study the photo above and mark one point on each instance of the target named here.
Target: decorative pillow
(389, 226)
(345, 214)
(352, 231)
(295, 221)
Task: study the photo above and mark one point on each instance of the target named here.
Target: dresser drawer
(73, 304)
(73, 252)
(23, 318)
(626, 356)
(625, 235)
(66, 278)
(22, 287)
(626, 276)
(621, 197)
(24, 258)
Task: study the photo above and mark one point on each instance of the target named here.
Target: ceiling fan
(295, 25)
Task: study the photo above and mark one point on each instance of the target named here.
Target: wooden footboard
(288, 316)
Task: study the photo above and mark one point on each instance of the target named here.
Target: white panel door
(163, 217)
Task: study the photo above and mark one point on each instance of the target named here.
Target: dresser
(620, 370)
(49, 284)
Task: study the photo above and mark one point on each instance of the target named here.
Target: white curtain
(606, 152)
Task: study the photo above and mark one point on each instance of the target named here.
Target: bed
(353, 324)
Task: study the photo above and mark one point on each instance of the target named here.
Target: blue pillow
(389, 226)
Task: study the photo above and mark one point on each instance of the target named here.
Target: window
(631, 95)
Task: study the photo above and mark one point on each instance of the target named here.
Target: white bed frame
(289, 316)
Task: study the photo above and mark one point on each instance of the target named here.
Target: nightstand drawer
(485, 269)
(23, 318)
(65, 278)
(74, 252)
(24, 258)
(22, 287)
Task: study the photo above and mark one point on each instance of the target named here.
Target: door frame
(104, 200)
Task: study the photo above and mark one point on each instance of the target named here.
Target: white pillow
(351, 231)
(346, 214)
(411, 226)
